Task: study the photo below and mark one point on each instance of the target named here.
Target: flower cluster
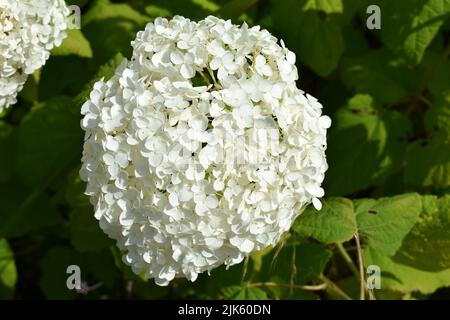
(201, 149)
(29, 29)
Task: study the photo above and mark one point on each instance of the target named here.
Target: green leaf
(244, 293)
(408, 27)
(383, 223)
(428, 163)
(317, 41)
(310, 262)
(74, 44)
(427, 245)
(296, 262)
(376, 73)
(51, 82)
(400, 277)
(49, 141)
(327, 6)
(366, 145)
(8, 272)
(334, 223)
(110, 27)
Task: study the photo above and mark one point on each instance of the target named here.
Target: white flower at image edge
(29, 29)
(201, 149)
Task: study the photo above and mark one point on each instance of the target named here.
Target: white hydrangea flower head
(201, 149)
(29, 29)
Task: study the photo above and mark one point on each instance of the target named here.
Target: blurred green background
(388, 185)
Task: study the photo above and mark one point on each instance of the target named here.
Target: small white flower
(224, 64)
(188, 176)
(262, 67)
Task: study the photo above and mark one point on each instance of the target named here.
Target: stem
(362, 287)
(277, 252)
(335, 288)
(318, 287)
(347, 259)
(213, 77)
(244, 268)
(205, 78)
(293, 268)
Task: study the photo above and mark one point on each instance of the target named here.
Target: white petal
(317, 204)
(155, 159)
(325, 122)
(187, 71)
(176, 57)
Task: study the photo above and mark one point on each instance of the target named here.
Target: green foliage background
(387, 91)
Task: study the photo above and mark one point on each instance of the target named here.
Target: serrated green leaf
(427, 246)
(408, 27)
(366, 144)
(74, 44)
(8, 272)
(383, 223)
(334, 223)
